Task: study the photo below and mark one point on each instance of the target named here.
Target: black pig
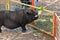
(15, 19)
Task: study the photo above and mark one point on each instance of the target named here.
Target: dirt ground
(24, 36)
(29, 35)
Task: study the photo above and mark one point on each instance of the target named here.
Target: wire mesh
(2, 5)
(45, 22)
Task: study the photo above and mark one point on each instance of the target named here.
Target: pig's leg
(23, 28)
(0, 29)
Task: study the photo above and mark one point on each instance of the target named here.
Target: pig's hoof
(24, 30)
(0, 31)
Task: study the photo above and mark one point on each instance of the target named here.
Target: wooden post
(55, 17)
(32, 9)
(54, 24)
(7, 5)
(32, 4)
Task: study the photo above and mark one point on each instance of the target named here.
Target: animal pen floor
(29, 35)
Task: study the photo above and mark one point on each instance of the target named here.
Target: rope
(32, 6)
